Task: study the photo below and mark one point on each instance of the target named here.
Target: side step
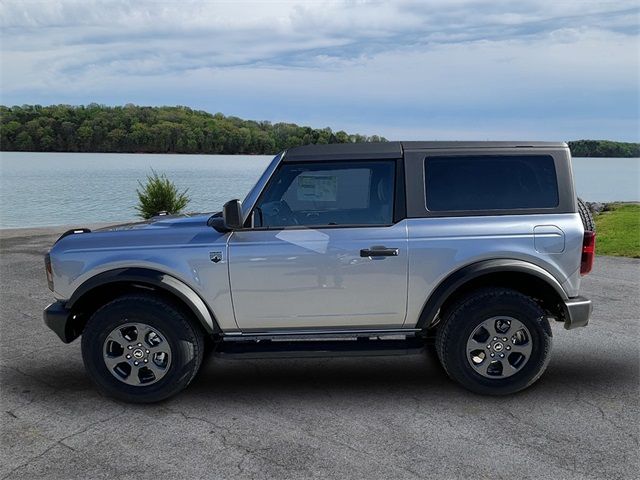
(360, 347)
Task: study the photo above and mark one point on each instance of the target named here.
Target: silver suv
(468, 249)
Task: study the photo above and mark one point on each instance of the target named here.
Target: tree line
(136, 129)
(604, 148)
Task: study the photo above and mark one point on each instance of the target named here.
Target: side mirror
(231, 218)
(232, 214)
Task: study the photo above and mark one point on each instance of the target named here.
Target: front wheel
(141, 348)
(494, 341)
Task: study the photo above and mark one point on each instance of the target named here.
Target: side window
(328, 193)
(490, 182)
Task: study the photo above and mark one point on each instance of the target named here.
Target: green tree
(24, 142)
(84, 136)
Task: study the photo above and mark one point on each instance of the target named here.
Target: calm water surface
(40, 189)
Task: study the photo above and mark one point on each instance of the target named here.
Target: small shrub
(159, 194)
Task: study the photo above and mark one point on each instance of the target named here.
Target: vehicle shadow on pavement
(335, 376)
(375, 375)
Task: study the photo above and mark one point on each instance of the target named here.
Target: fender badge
(215, 257)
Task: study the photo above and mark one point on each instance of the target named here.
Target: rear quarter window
(490, 182)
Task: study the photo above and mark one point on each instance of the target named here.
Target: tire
(585, 215)
(468, 317)
(121, 325)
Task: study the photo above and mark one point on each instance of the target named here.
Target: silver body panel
(301, 279)
(440, 246)
(308, 278)
(179, 247)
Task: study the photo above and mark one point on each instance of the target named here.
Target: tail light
(47, 267)
(588, 252)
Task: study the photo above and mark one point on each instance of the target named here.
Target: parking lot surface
(380, 417)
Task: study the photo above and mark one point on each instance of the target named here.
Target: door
(323, 251)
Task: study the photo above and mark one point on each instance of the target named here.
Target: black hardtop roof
(380, 150)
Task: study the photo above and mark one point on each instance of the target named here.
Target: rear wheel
(494, 341)
(141, 348)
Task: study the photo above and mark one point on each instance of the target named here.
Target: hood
(161, 231)
(162, 221)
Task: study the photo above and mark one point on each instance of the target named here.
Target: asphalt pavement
(369, 418)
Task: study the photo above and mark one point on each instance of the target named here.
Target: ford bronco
(470, 249)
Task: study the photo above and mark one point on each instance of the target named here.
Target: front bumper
(63, 323)
(577, 312)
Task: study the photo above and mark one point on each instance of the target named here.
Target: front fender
(154, 278)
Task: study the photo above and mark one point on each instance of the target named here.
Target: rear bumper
(578, 311)
(59, 319)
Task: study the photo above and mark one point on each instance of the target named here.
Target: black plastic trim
(390, 150)
(379, 251)
(73, 231)
(460, 277)
(154, 278)
(59, 319)
(400, 194)
(319, 348)
(344, 151)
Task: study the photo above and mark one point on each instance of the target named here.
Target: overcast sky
(444, 69)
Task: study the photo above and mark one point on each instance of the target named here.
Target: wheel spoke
(524, 349)
(517, 325)
(117, 337)
(508, 369)
(133, 378)
(143, 332)
(473, 344)
(162, 347)
(483, 368)
(155, 368)
(490, 326)
(111, 362)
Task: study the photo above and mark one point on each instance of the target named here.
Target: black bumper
(578, 311)
(59, 319)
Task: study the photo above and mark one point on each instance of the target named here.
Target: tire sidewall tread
(588, 222)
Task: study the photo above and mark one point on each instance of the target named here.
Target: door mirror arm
(217, 223)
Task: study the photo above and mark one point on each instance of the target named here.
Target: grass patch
(618, 231)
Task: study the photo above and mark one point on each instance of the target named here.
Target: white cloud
(344, 63)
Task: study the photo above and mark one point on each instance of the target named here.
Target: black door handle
(379, 252)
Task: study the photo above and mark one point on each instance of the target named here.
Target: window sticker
(318, 188)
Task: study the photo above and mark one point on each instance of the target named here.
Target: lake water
(42, 189)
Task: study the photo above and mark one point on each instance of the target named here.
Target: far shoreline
(187, 154)
(174, 153)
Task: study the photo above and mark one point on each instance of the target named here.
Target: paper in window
(318, 188)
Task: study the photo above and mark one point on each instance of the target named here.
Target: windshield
(254, 193)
